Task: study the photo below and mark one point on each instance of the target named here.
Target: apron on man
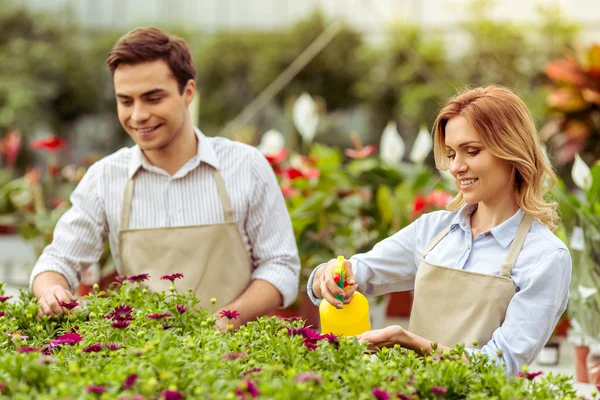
(453, 306)
(212, 258)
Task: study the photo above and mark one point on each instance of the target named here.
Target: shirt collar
(206, 153)
(503, 233)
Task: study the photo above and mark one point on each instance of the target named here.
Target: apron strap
(515, 248)
(126, 210)
(227, 209)
(436, 240)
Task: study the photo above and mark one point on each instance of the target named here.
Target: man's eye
(125, 103)
(153, 99)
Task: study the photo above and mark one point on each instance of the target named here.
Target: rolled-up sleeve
(389, 267)
(79, 236)
(273, 247)
(532, 313)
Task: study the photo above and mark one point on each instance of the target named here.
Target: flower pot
(581, 373)
(400, 304)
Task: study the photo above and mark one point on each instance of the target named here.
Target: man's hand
(50, 288)
(51, 299)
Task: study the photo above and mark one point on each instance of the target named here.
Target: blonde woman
(488, 272)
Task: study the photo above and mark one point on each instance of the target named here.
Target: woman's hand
(386, 337)
(327, 288)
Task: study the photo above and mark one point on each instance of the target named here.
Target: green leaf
(384, 204)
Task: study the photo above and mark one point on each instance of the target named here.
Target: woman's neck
(488, 216)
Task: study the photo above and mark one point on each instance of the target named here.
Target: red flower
(277, 158)
(171, 277)
(113, 346)
(120, 324)
(96, 389)
(439, 391)
(180, 308)
(4, 298)
(130, 381)
(419, 204)
(11, 146)
(172, 395)
(121, 313)
(49, 143)
(229, 314)
(69, 305)
(159, 316)
(380, 394)
(93, 348)
(360, 153)
(438, 198)
(293, 173)
(138, 278)
(1, 313)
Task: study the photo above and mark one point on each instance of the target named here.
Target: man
(177, 201)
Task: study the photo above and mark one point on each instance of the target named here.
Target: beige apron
(212, 258)
(452, 306)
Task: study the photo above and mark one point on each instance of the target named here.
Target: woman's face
(481, 176)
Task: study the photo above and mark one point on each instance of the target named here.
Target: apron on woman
(453, 306)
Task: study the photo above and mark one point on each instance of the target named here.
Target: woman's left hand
(386, 337)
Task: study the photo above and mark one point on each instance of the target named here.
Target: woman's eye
(451, 156)
(473, 153)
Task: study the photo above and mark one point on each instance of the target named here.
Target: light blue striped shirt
(542, 274)
(189, 197)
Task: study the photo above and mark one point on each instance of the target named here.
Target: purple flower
(172, 395)
(158, 316)
(69, 305)
(251, 371)
(292, 319)
(120, 279)
(438, 390)
(404, 397)
(96, 389)
(380, 394)
(180, 308)
(331, 338)
(120, 324)
(530, 375)
(138, 278)
(4, 298)
(309, 377)
(233, 356)
(229, 314)
(165, 327)
(1, 313)
(130, 381)
(113, 346)
(66, 338)
(121, 313)
(27, 349)
(93, 348)
(171, 277)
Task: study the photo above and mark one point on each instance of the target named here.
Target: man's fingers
(45, 308)
(53, 304)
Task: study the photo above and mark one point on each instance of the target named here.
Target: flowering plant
(112, 347)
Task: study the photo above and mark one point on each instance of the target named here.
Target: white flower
(422, 146)
(306, 117)
(272, 142)
(391, 147)
(586, 292)
(581, 174)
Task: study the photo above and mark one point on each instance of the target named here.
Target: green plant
(128, 343)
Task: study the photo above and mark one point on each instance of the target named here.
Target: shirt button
(488, 233)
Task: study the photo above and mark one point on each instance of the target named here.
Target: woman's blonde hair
(508, 132)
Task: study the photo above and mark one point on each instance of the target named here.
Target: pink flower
(11, 146)
(309, 377)
(380, 394)
(93, 348)
(438, 198)
(404, 397)
(251, 371)
(27, 349)
(67, 338)
(361, 153)
(530, 375)
(96, 389)
(171, 277)
(113, 346)
(1, 313)
(120, 324)
(130, 381)
(180, 308)
(172, 395)
(247, 387)
(277, 158)
(121, 313)
(331, 338)
(4, 298)
(158, 316)
(138, 278)
(229, 314)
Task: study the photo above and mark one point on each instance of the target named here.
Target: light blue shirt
(542, 274)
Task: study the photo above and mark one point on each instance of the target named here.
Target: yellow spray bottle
(351, 320)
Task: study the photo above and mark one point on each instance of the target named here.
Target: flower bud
(213, 301)
(500, 353)
(96, 287)
(475, 343)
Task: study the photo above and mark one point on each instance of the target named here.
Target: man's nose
(140, 113)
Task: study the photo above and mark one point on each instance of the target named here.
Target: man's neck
(176, 154)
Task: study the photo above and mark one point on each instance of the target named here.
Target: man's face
(149, 105)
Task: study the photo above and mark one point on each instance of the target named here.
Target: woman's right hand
(329, 288)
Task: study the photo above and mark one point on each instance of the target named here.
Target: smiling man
(176, 202)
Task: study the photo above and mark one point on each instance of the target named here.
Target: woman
(489, 272)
